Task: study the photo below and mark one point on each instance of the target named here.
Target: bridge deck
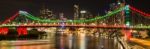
(87, 26)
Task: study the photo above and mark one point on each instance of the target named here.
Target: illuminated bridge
(124, 18)
(114, 19)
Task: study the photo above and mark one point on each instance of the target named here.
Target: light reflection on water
(69, 41)
(6, 45)
(82, 41)
(27, 47)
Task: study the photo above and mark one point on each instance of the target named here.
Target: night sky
(9, 7)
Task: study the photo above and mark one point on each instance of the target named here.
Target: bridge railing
(121, 43)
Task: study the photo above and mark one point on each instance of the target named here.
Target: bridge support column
(22, 31)
(127, 33)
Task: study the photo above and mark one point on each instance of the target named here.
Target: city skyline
(74, 24)
(65, 6)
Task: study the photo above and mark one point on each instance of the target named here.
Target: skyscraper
(45, 12)
(76, 11)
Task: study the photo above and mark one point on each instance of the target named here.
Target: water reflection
(83, 41)
(70, 40)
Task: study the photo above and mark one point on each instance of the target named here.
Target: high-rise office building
(76, 11)
(46, 13)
